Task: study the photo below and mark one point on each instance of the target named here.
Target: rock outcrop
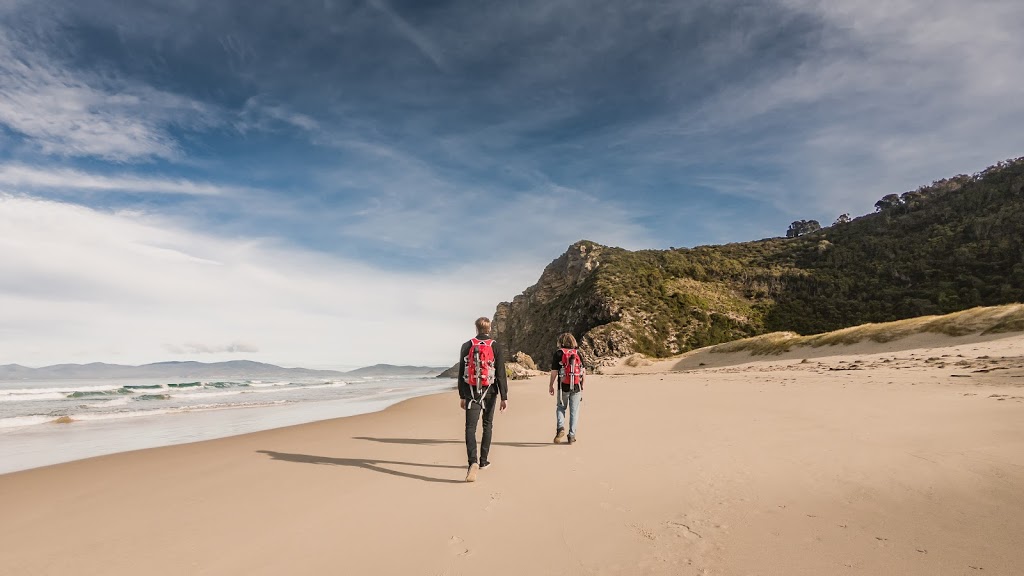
(524, 360)
(562, 300)
(589, 291)
(517, 371)
(452, 372)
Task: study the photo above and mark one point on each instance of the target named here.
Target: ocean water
(43, 423)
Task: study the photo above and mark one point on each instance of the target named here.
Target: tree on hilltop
(888, 202)
(801, 227)
(843, 219)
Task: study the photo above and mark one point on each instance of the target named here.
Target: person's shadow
(438, 442)
(365, 463)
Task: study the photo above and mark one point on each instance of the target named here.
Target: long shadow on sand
(364, 463)
(437, 442)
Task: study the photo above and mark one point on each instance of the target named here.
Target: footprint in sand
(684, 530)
(645, 532)
(495, 500)
(457, 546)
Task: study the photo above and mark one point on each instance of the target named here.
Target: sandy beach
(874, 459)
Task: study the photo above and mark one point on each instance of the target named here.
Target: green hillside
(955, 244)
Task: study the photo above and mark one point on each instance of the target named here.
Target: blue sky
(296, 182)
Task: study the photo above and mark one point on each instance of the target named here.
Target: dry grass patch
(982, 320)
(774, 343)
(636, 361)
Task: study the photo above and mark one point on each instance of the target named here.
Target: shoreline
(772, 467)
(52, 443)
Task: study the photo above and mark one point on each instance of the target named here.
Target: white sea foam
(208, 407)
(61, 389)
(25, 391)
(180, 409)
(338, 384)
(211, 394)
(259, 384)
(298, 388)
(117, 401)
(19, 421)
(122, 414)
(33, 397)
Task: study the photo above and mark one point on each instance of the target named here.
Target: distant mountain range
(233, 370)
(391, 370)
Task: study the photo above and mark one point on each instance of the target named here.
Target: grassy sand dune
(981, 324)
(981, 320)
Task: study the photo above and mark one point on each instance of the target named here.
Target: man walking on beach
(481, 379)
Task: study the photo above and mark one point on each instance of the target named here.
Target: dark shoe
(471, 475)
(559, 435)
(485, 465)
(572, 439)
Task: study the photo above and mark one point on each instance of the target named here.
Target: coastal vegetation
(983, 320)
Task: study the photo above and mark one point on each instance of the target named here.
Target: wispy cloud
(67, 111)
(890, 101)
(193, 348)
(74, 286)
(410, 33)
(259, 115)
(413, 206)
(86, 114)
(21, 177)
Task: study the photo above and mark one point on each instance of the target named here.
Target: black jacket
(500, 377)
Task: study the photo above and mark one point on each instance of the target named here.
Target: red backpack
(571, 372)
(480, 363)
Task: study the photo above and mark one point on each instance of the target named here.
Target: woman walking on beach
(481, 379)
(567, 369)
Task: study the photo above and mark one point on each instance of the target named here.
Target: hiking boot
(485, 465)
(572, 439)
(471, 475)
(559, 435)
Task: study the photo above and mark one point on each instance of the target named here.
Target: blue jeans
(573, 402)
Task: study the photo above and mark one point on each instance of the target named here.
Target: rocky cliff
(598, 294)
(564, 299)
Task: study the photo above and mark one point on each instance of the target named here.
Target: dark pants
(472, 416)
